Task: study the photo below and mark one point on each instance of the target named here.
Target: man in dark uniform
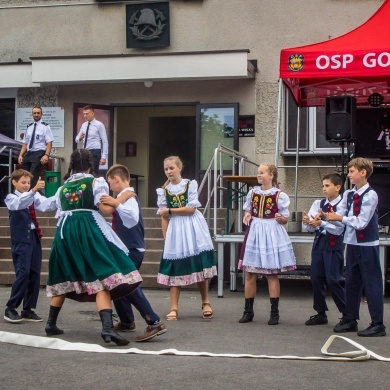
(36, 147)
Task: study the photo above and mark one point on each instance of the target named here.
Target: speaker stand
(344, 163)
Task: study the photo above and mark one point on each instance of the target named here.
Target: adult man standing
(93, 136)
(37, 145)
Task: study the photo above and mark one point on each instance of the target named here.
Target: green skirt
(183, 272)
(84, 262)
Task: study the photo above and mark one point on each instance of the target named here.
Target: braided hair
(80, 161)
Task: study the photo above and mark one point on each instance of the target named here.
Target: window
(312, 136)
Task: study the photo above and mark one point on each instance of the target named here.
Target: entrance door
(104, 114)
(170, 136)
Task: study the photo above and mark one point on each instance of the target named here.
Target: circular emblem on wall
(295, 62)
(147, 24)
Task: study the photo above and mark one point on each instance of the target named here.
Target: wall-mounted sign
(246, 126)
(53, 116)
(147, 25)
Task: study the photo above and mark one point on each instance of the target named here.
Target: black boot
(248, 311)
(274, 317)
(108, 332)
(51, 328)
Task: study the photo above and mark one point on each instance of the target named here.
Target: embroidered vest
(133, 238)
(333, 242)
(175, 201)
(78, 194)
(370, 233)
(264, 206)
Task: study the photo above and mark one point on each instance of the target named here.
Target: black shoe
(53, 330)
(346, 325)
(246, 317)
(373, 331)
(317, 319)
(11, 315)
(31, 316)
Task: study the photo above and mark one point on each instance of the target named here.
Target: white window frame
(310, 134)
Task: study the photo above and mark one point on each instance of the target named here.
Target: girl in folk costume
(267, 249)
(188, 255)
(88, 262)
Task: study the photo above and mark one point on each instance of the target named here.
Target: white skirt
(187, 235)
(268, 246)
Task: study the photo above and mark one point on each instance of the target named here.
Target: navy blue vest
(371, 232)
(133, 238)
(333, 242)
(20, 225)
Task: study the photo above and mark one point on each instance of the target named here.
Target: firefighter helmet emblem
(147, 24)
(295, 62)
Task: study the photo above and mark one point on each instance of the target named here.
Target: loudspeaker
(340, 118)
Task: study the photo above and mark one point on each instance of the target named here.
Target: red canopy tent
(355, 64)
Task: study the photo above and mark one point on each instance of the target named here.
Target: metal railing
(237, 164)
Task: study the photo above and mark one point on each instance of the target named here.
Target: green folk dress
(87, 256)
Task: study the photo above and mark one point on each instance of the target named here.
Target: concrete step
(154, 244)
(147, 212)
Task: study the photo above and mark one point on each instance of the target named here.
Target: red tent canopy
(355, 64)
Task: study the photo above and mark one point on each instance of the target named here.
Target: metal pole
(278, 122)
(297, 160)
(10, 169)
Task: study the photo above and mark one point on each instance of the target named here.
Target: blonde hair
(177, 161)
(272, 170)
(361, 163)
(118, 170)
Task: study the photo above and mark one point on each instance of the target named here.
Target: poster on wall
(53, 116)
(246, 126)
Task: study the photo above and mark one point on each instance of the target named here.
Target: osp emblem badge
(147, 24)
(295, 62)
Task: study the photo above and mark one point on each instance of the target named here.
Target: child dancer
(358, 211)
(26, 245)
(88, 262)
(267, 248)
(128, 224)
(188, 255)
(327, 255)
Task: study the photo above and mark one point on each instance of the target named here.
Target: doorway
(175, 135)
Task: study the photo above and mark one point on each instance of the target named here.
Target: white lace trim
(104, 227)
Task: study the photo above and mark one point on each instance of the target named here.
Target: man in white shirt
(36, 147)
(93, 136)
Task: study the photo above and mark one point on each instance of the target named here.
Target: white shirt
(43, 136)
(97, 137)
(20, 201)
(331, 228)
(353, 223)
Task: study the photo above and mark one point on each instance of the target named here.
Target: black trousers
(27, 261)
(326, 274)
(32, 163)
(96, 156)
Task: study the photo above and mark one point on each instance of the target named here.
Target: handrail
(215, 189)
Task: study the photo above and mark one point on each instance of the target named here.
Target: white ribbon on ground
(52, 343)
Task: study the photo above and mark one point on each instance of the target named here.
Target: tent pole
(278, 122)
(297, 160)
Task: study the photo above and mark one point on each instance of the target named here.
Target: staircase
(153, 240)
